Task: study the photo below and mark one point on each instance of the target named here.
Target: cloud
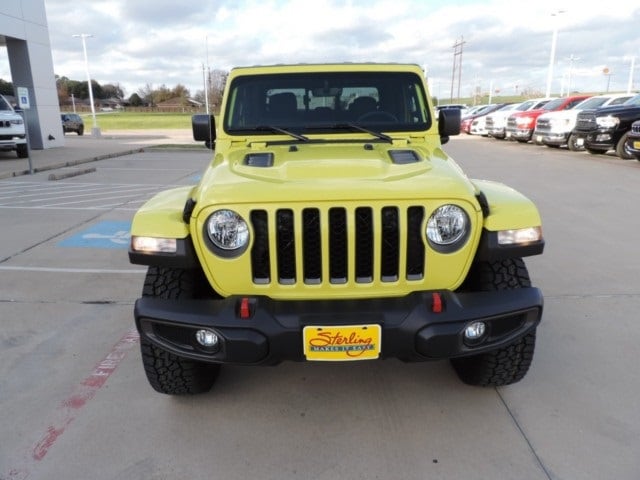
(167, 42)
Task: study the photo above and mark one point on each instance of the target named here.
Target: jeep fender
(162, 217)
(507, 209)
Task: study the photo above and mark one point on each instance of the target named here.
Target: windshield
(4, 105)
(633, 101)
(326, 101)
(592, 102)
(554, 104)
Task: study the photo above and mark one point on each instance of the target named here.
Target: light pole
(552, 57)
(95, 131)
(630, 83)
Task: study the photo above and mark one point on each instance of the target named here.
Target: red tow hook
(436, 302)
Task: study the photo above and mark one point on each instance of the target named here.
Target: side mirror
(448, 123)
(204, 130)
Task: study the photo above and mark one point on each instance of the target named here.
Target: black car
(607, 128)
(72, 122)
(633, 140)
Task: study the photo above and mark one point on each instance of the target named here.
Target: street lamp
(95, 131)
(552, 57)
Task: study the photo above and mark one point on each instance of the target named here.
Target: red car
(520, 126)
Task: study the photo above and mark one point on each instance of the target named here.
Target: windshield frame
(249, 97)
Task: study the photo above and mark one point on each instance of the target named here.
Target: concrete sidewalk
(79, 150)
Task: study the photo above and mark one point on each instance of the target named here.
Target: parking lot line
(70, 407)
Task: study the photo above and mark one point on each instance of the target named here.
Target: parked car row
(596, 124)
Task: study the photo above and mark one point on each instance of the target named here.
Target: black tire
(621, 148)
(80, 131)
(572, 144)
(22, 150)
(168, 373)
(505, 365)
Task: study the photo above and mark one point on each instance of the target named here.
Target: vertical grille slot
(285, 238)
(338, 270)
(390, 248)
(364, 244)
(260, 262)
(311, 246)
(415, 244)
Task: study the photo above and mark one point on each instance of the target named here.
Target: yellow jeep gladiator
(330, 225)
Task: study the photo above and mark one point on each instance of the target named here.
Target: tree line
(148, 95)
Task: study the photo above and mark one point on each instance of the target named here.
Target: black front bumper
(258, 330)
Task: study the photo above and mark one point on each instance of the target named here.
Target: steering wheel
(378, 113)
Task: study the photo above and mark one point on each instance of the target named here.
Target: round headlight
(447, 226)
(227, 230)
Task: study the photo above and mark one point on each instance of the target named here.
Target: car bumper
(497, 132)
(258, 330)
(633, 146)
(601, 140)
(518, 134)
(551, 138)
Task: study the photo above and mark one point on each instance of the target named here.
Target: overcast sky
(507, 43)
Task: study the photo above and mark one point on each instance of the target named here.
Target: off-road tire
(573, 145)
(505, 365)
(166, 372)
(621, 148)
(22, 150)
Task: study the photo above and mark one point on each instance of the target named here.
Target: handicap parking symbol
(105, 234)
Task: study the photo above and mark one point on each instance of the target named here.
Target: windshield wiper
(355, 126)
(272, 128)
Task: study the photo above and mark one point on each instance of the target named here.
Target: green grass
(139, 121)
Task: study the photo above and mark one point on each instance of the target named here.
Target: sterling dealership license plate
(343, 343)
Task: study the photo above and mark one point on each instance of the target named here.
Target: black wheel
(621, 148)
(80, 131)
(572, 144)
(505, 365)
(166, 372)
(22, 150)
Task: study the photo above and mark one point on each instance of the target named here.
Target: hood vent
(403, 157)
(262, 160)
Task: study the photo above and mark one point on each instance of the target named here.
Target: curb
(72, 163)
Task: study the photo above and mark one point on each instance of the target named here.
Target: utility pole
(457, 64)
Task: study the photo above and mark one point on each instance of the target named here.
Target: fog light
(207, 338)
(475, 331)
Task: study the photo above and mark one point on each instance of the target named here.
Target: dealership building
(25, 34)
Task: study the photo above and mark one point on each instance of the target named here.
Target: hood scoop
(403, 157)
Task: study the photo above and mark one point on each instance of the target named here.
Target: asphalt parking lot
(75, 404)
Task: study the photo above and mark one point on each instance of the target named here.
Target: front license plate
(539, 138)
(636, 145)
(580, 141)
(343, 343)
(507, 135)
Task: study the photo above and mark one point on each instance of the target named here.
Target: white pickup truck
(12, 131)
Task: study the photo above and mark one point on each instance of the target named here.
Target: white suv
(12, 132)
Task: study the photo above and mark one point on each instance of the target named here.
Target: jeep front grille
(338, 245)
